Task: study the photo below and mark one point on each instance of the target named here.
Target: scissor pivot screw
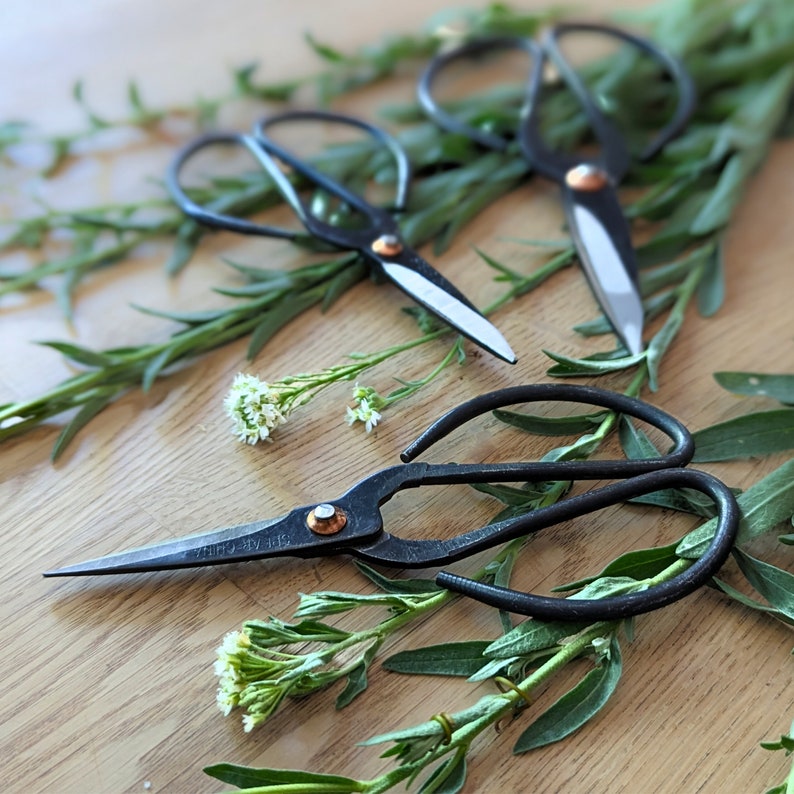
(388, 245)
(326, 519)
(586, 177)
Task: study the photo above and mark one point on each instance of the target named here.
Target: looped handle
(213, 215)
(638, 477)
(545, 159)
(471, 49)
(625, 605)
(680, 454)
(615, 155)
(267, 152)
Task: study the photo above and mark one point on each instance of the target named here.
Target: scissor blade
(461, 316)
(272, 538)
(602, 239)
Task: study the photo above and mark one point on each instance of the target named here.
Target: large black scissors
(377, 240)
(353, 524)
(596, 221)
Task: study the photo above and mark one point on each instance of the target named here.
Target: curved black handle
(615, 158)
(267, 151)
(679, 455)
(632, 603)
(214, 215)
(546, 159)
(380, 221)
(471, 49)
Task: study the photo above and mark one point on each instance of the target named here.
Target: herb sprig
(433, 753)
(685, 199)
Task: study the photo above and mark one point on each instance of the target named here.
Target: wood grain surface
(107, 684)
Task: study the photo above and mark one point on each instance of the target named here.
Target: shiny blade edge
(464, 319)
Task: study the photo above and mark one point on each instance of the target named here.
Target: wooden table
(108, 684)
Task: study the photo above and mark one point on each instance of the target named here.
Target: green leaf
(187, 239)
(530, 636)
(757, 384)
(685, 500)
(447, 778)
(449, 658)
(325, 51)
(774, 584)
(568, 367)
(275, 319)
(763, 506)
(638, 564)
(576, 706)
(551, 425)
(634, 442)
(80, 355)
(357, 677)
(246, 777)
(710, 292)
(398, 586)
(86, 413)
(752, 435)
(737, 595)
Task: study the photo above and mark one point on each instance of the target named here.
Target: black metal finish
(614, 157)
(623, 309)
(380, 222)
(363, 535)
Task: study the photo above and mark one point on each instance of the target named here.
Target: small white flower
(365, 413)
(254, 408)
(602, 647)
(366, 410)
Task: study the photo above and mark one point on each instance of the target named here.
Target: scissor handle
(680, 454)
(378, 488)
(637, 477)
(615, 158)
(267, 153)
(546, 159)
(213, 215)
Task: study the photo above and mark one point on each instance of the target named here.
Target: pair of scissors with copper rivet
(352, 524)
(595, 219)
(377, 239)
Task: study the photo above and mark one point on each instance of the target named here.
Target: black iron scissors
(596, 221)
(378, 240)
(352, 524)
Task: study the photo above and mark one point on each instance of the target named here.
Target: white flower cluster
(367, 403)
(255, 409)
(227, 668)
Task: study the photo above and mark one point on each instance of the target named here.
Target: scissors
(596, 221)
(352, 524)
(378, 241)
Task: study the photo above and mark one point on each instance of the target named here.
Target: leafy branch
(684, 197)
(433, 753)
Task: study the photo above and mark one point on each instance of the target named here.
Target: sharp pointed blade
(608, 262)
(234, 544)
(450, 309)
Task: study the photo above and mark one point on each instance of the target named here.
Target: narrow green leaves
(753, 435)
(773, 583)
(532, 636)
(577, 706)
(86, 413)
(551, 425)
(758, 384)
(763, 506)
(283, 780)
(448, 777)
(449, 658)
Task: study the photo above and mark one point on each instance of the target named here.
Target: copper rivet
(388, 245)
(586, 177)
(326, 519)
